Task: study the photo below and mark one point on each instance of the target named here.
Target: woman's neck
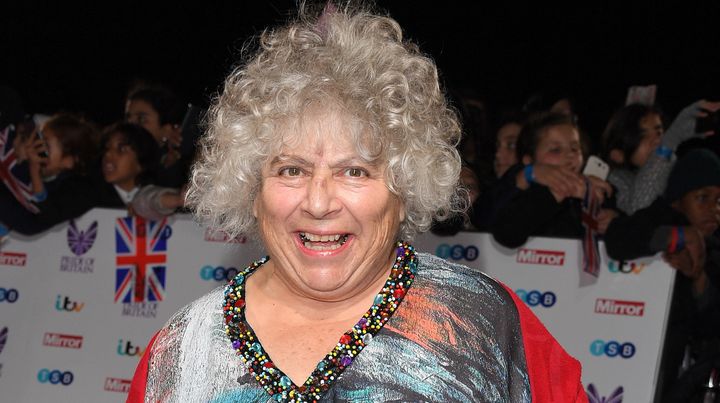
(267, 289)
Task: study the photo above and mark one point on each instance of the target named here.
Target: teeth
(308, 238)
(313, 246)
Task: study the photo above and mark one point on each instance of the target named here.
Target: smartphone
(709, 123)
(597, 168)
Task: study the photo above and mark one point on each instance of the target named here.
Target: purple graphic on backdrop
(3, 338)
(594, 396)
(81, 241)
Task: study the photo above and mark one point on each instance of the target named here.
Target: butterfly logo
(3, 338)
(594, 396)
(81, 241)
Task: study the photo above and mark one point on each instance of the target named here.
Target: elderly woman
(332, 143)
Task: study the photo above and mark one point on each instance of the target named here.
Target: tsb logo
(625, 267)
(68, 305)
(9, 294)
(537, 256)
(219, 273)
(612, 349)
(535, 297)
(457, 252)
(55, 377)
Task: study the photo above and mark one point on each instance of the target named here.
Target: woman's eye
(290, 171)
(355, 172)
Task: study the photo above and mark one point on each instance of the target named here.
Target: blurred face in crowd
(505, 155)
(651, 130)
(57, 162)
(558, 146)
(120, 165)
(701, 207)
(142, 113)
(470, 181)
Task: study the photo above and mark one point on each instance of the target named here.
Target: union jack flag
(16, 177)
(141, 248)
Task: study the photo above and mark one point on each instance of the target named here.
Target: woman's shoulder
(462, 283)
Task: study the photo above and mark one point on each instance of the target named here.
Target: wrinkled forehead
(319, 130)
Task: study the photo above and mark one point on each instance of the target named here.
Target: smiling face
(325, 215)
(701, 207)
(558, 145)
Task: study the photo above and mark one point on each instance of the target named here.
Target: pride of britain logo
(79, 241)
(457, 252)
(594, 396)
(141, 248)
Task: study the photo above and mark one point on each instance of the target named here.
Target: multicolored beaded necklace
(272, 379)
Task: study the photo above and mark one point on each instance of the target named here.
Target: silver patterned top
(455, 338)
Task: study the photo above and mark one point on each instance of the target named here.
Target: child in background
(642, 154)
(545, 193)
(129, 158)
(60, 153)
(160, 112)
(681, 224)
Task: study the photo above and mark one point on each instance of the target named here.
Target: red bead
(268, 364)
(398, 293)
(345, 339)
(239, 303)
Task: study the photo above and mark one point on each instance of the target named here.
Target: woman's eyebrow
(292, 159)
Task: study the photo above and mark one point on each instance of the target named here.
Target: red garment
(554, 374)
(139, 381)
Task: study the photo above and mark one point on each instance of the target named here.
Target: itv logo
(126, 348)
(65, 304)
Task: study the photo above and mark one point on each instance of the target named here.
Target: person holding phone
(544, 195)
(641, 152)
(61, 151)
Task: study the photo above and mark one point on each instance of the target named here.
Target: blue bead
(285, 382)
(378, 299)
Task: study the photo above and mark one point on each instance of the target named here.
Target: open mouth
(323, 242)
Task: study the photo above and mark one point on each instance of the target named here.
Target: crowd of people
(653, 187)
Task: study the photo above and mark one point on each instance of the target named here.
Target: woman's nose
(321, 198)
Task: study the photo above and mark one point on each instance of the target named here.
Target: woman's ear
(617, 156)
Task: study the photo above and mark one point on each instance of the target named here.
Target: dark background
(83, 59)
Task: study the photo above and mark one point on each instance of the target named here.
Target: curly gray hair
(355, 59)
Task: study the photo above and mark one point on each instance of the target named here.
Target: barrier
(79, 303)
(614, 326)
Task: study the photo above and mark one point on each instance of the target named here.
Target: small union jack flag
(16, 177)
(141, 248)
